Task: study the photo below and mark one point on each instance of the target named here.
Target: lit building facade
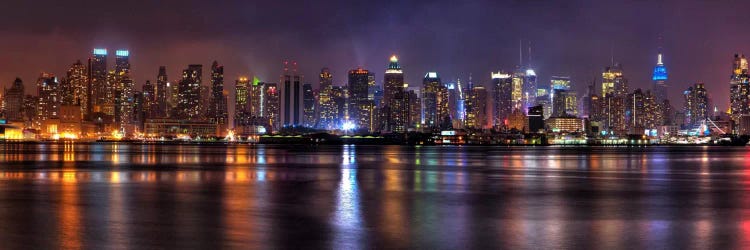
(739, 88)
(217, 104)
(697, 106)
(189, 93)
(13, 101)
(502, 98)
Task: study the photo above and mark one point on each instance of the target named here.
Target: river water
(122, 196)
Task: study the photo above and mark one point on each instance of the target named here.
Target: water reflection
(255, 196)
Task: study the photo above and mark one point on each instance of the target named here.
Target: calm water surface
(119, 196)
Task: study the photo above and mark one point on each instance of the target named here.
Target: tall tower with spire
(660, 79)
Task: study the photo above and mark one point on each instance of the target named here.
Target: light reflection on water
(238, 196)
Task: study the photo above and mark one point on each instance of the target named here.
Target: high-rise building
(641, 112)
(613, 81)
(75, 89)
(564, 103)
(271, 111)
(529, 89)
(291, 91)
(660, 79)
(431, 100)
(189, 93)
(123, 89)
(536, 119)
(148, 103)
(241, 101)
(48, 104)
(502, 98)
(161, 93)
(257, 102)
(476, 108)
(412, 109)
(560, 82)
(308, 104)
(360, 106)
(13, 101)
(97, 81)
(697, 105)
(327, 110)
(395, 104)
(739, 88)
(217, 105)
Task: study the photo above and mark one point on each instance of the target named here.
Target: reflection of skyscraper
(189, 97)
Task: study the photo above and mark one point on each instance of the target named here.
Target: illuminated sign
(499, 75)
(530, 72)
(256, 81)
(448, 132)
(100, 52)
(122, 53)
(431, 75)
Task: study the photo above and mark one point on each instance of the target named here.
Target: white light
(431, 75)
(499, 75)
(530, 72)
(348, 125)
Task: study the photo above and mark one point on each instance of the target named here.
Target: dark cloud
(455, 38)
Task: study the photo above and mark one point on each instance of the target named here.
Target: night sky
(573, 37)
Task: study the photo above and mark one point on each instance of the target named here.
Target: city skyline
(578, 45)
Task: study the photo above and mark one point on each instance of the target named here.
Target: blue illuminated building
(660, 71)
(660, 80)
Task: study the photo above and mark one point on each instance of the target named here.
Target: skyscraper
(395, 102)
(48, 104)
(326, 106)
(271, 107)
(360, 107)
(502, 97)
(76, 87)
(147, 103)
(189, 98)
(217, 106)
(291, 91)
(123, 89)
(697, 106)
(161, 93)
(97, 81)
(431, 91)
(241, 101)
(739, 88)
(660, 79)
(476, 108)
(13, 101)
(308, 102)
